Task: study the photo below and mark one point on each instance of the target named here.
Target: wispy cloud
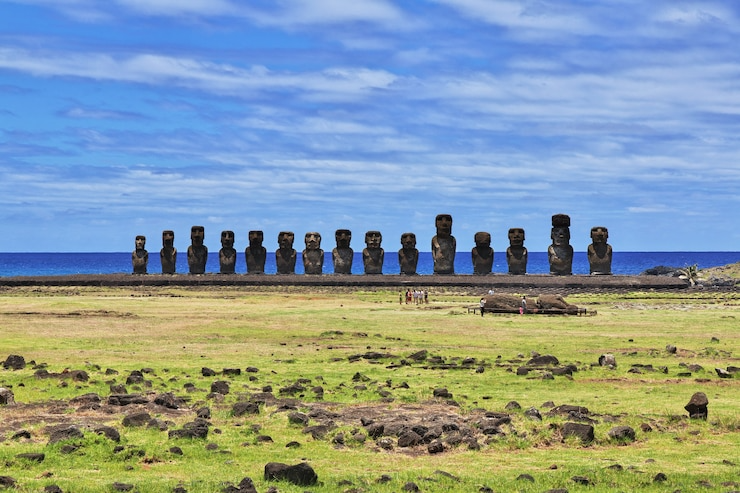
(138, 115)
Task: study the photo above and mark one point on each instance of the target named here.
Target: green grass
(312, 335)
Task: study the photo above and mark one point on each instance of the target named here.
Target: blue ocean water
(624, 263)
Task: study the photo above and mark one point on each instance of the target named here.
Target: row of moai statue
(560, 252)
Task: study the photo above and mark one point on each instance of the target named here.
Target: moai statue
(516, 254)
(600, 252)
(444, 245)
(313, 255)
(168, 253)
(227, 254)
(343, 255)
(560, 253)
(285, 255)
(197, 251)
(140, 257)
(373, 255)
(482, 253)
(255, 253)
(408, 255)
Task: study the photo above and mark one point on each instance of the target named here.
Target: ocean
(624, 263)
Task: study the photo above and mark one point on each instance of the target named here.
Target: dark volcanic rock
(544, 359)
(66, 433)
(32, 456)
(136, 419)
(242, 408)
(194, 429)
(300, 474)
(109, 432)
(168, 400)
(220, 387)
(7, 482)
(584, 432)
(126, 399)
(622, 433)
(14, 362)
(697, 406)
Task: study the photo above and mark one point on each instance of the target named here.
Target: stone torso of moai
(408, 255)
(313, 255)
(227, 254)
(285, 255)
(140, 257)
(343, 255)
(373, 255)
(255, 253)
(516, 254)
(197, 251)
(168, 253)
(482, 253)
(600, 252)
(444, 246)
(560, 252)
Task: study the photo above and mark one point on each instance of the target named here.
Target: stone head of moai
(140, 242)
(285, 240)
(482, 239)
(560, 233)
(256, 238)
(168, 238)
(343, 237)
(408, 241)
(443, 223)
(197, 235)
(373, 239)
(227, 239)
(599, 234)
(516, 237)
(312, 240)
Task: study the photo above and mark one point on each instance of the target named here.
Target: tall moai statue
(482, 253)
(285, 255)
(599, 252)
(255, 253)
(444, 245)
(227, 254)
(408, 255)
(516, 254)
(313, 255)
(373, 255)
(560, 252)
(197, 251)
(342, 255)
(140, 257)
(168, 253)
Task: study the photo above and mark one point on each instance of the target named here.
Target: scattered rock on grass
(697, 406)
(300, 474)
(6, 397)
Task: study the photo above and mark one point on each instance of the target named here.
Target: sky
(130, 117)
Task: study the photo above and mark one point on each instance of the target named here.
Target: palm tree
(691, 274)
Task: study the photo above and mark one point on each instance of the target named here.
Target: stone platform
(521, 284)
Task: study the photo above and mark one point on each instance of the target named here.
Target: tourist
(523, 308)
(482, 306)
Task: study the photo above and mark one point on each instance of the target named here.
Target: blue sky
(129, 117)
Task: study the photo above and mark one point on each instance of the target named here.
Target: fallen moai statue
(546, 304)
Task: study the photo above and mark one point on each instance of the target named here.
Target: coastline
(504, 282)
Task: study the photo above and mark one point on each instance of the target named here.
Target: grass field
(342, 360)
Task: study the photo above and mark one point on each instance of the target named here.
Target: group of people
(417, 297)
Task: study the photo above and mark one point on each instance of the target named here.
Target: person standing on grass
(482, 306)
(523, 309)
